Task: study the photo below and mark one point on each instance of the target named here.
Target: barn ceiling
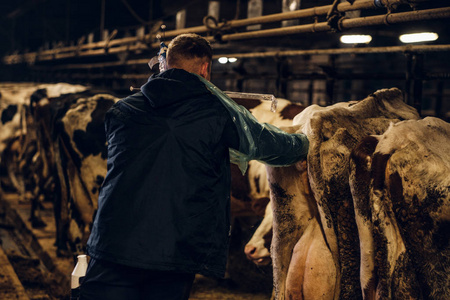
(28, 25)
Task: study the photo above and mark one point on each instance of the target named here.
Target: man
(163, 210)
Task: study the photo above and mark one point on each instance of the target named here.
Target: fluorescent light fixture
(418, 37)
(356, 39)
(223, 60)
(232, 59)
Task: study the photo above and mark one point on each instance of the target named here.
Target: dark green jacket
(164, 204)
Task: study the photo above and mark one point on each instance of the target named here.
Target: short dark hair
(188, 46)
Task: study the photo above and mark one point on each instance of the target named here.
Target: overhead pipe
(392, 18)
(297, 14)
(73, 51)
(302, 76)
(344, 23)
(338, 51)
(126, 44)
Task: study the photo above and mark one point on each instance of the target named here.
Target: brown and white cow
(315, 248)
(257, 248)
(302, 261)
(250, 193)
(401, 191)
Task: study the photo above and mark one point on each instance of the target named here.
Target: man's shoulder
(135, 101)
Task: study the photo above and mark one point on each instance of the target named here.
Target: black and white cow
(19, 155)
(72, 145)
(14, 135)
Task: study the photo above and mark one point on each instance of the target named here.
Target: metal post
(408, 79)
(102, 19)
(418, 81)
(330, 80)
(67, 22)
(255, 8)
(181, 19)
(214, 9)
(288, 6)
(439, 96)
(310, 92)
(150, 10)
(281, 83)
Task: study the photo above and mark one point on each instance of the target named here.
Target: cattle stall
(367, 107)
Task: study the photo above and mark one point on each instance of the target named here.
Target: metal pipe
(343, 51)
(126, 44)
(392, 49)
(300, 77)
(392, 18)
(302, 13)
(297, 14)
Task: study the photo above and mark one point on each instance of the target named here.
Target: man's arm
(270, 144)
(263, 142)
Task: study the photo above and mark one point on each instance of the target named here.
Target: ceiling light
(356, 39)
(232, 59)
(223, 60)
(418, 37)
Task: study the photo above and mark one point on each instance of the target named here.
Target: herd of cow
(366, 216)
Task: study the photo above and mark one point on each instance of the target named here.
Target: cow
(401, 192)
(84, 153)
(13, 132)
(257, 248)
(17, 136)
(315, 247)
(72, 145)
(249, 198)
(250, 192)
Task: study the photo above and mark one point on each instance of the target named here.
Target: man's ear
(205, 70)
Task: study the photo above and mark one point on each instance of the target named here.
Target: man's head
(192, 53)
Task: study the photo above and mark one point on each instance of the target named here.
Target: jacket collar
(171, 86)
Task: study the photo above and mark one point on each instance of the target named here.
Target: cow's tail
(360, 186)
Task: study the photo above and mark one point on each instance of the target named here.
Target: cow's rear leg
(35, 214)
(312, 273)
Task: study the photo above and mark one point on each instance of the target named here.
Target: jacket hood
(172, 86)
